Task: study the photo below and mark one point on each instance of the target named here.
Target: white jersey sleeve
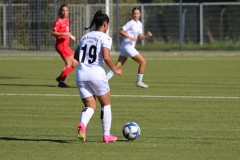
(107, 42)
(128, 25)
(128, 28)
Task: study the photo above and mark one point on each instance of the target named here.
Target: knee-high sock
(139, 77)
(66, 70)
(106, 119)
(86, 115)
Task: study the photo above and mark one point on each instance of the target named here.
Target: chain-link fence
(27, 24)
(220, 23)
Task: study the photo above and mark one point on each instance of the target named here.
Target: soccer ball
(131, 130)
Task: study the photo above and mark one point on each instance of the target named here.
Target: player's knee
(75, 63)
(143, 62)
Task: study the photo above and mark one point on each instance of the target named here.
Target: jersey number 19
(91, 52)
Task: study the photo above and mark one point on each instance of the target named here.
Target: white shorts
(128, 51)
(91, 88)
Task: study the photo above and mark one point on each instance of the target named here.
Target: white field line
(167, 58)
(135, 96)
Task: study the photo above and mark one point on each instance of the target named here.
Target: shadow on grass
(125, 140)
(33, 140)
(34, 85)
(118, 141)
(51, 140)
(28, 85)
(6, 77)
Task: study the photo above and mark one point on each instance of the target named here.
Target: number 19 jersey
(91, 63)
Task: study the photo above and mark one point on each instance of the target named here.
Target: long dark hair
(135, 8)
(98, 20)
(60, 9)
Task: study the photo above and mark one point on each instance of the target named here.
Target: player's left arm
(109, 62)
(141, 36)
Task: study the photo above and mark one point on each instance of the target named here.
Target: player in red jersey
(63, 37)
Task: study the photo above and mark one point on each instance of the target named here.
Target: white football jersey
(133, 29)
(91, 63)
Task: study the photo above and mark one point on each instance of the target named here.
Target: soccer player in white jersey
(132, 31)
(92, 52)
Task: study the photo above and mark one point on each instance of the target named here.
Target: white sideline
(136, 96)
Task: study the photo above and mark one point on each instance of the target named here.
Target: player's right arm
(123, 30)
(55, 33)
(124, 34)
(55, 30)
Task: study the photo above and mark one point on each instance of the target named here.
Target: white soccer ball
(131, 130)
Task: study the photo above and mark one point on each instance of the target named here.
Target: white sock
(86, 115)
(106, 119)
(139, 77)
(110, 74)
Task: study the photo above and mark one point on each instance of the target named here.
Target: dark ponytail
(98, 20)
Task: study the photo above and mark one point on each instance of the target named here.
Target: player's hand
(118, 71)
(133, 39)
(73, 38)
(149, 34)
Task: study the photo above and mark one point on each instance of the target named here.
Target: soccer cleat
(81, 132)
(141, 84)
(109, 138)
(63, 85)
(58, 79)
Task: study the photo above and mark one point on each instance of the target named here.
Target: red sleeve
(56, 26)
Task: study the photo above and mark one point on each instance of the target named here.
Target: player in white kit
(92, 52)
(131, 31)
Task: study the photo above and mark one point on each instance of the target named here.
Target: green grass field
(191, 111)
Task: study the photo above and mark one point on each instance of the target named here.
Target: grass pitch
(190, 111)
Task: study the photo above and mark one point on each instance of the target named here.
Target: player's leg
(102, 91)
(121, 61)
(89, 101)
(142, 64)
(119, 64)
(89, 104)
(141, 61)
(106, 118)
(70, 64)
